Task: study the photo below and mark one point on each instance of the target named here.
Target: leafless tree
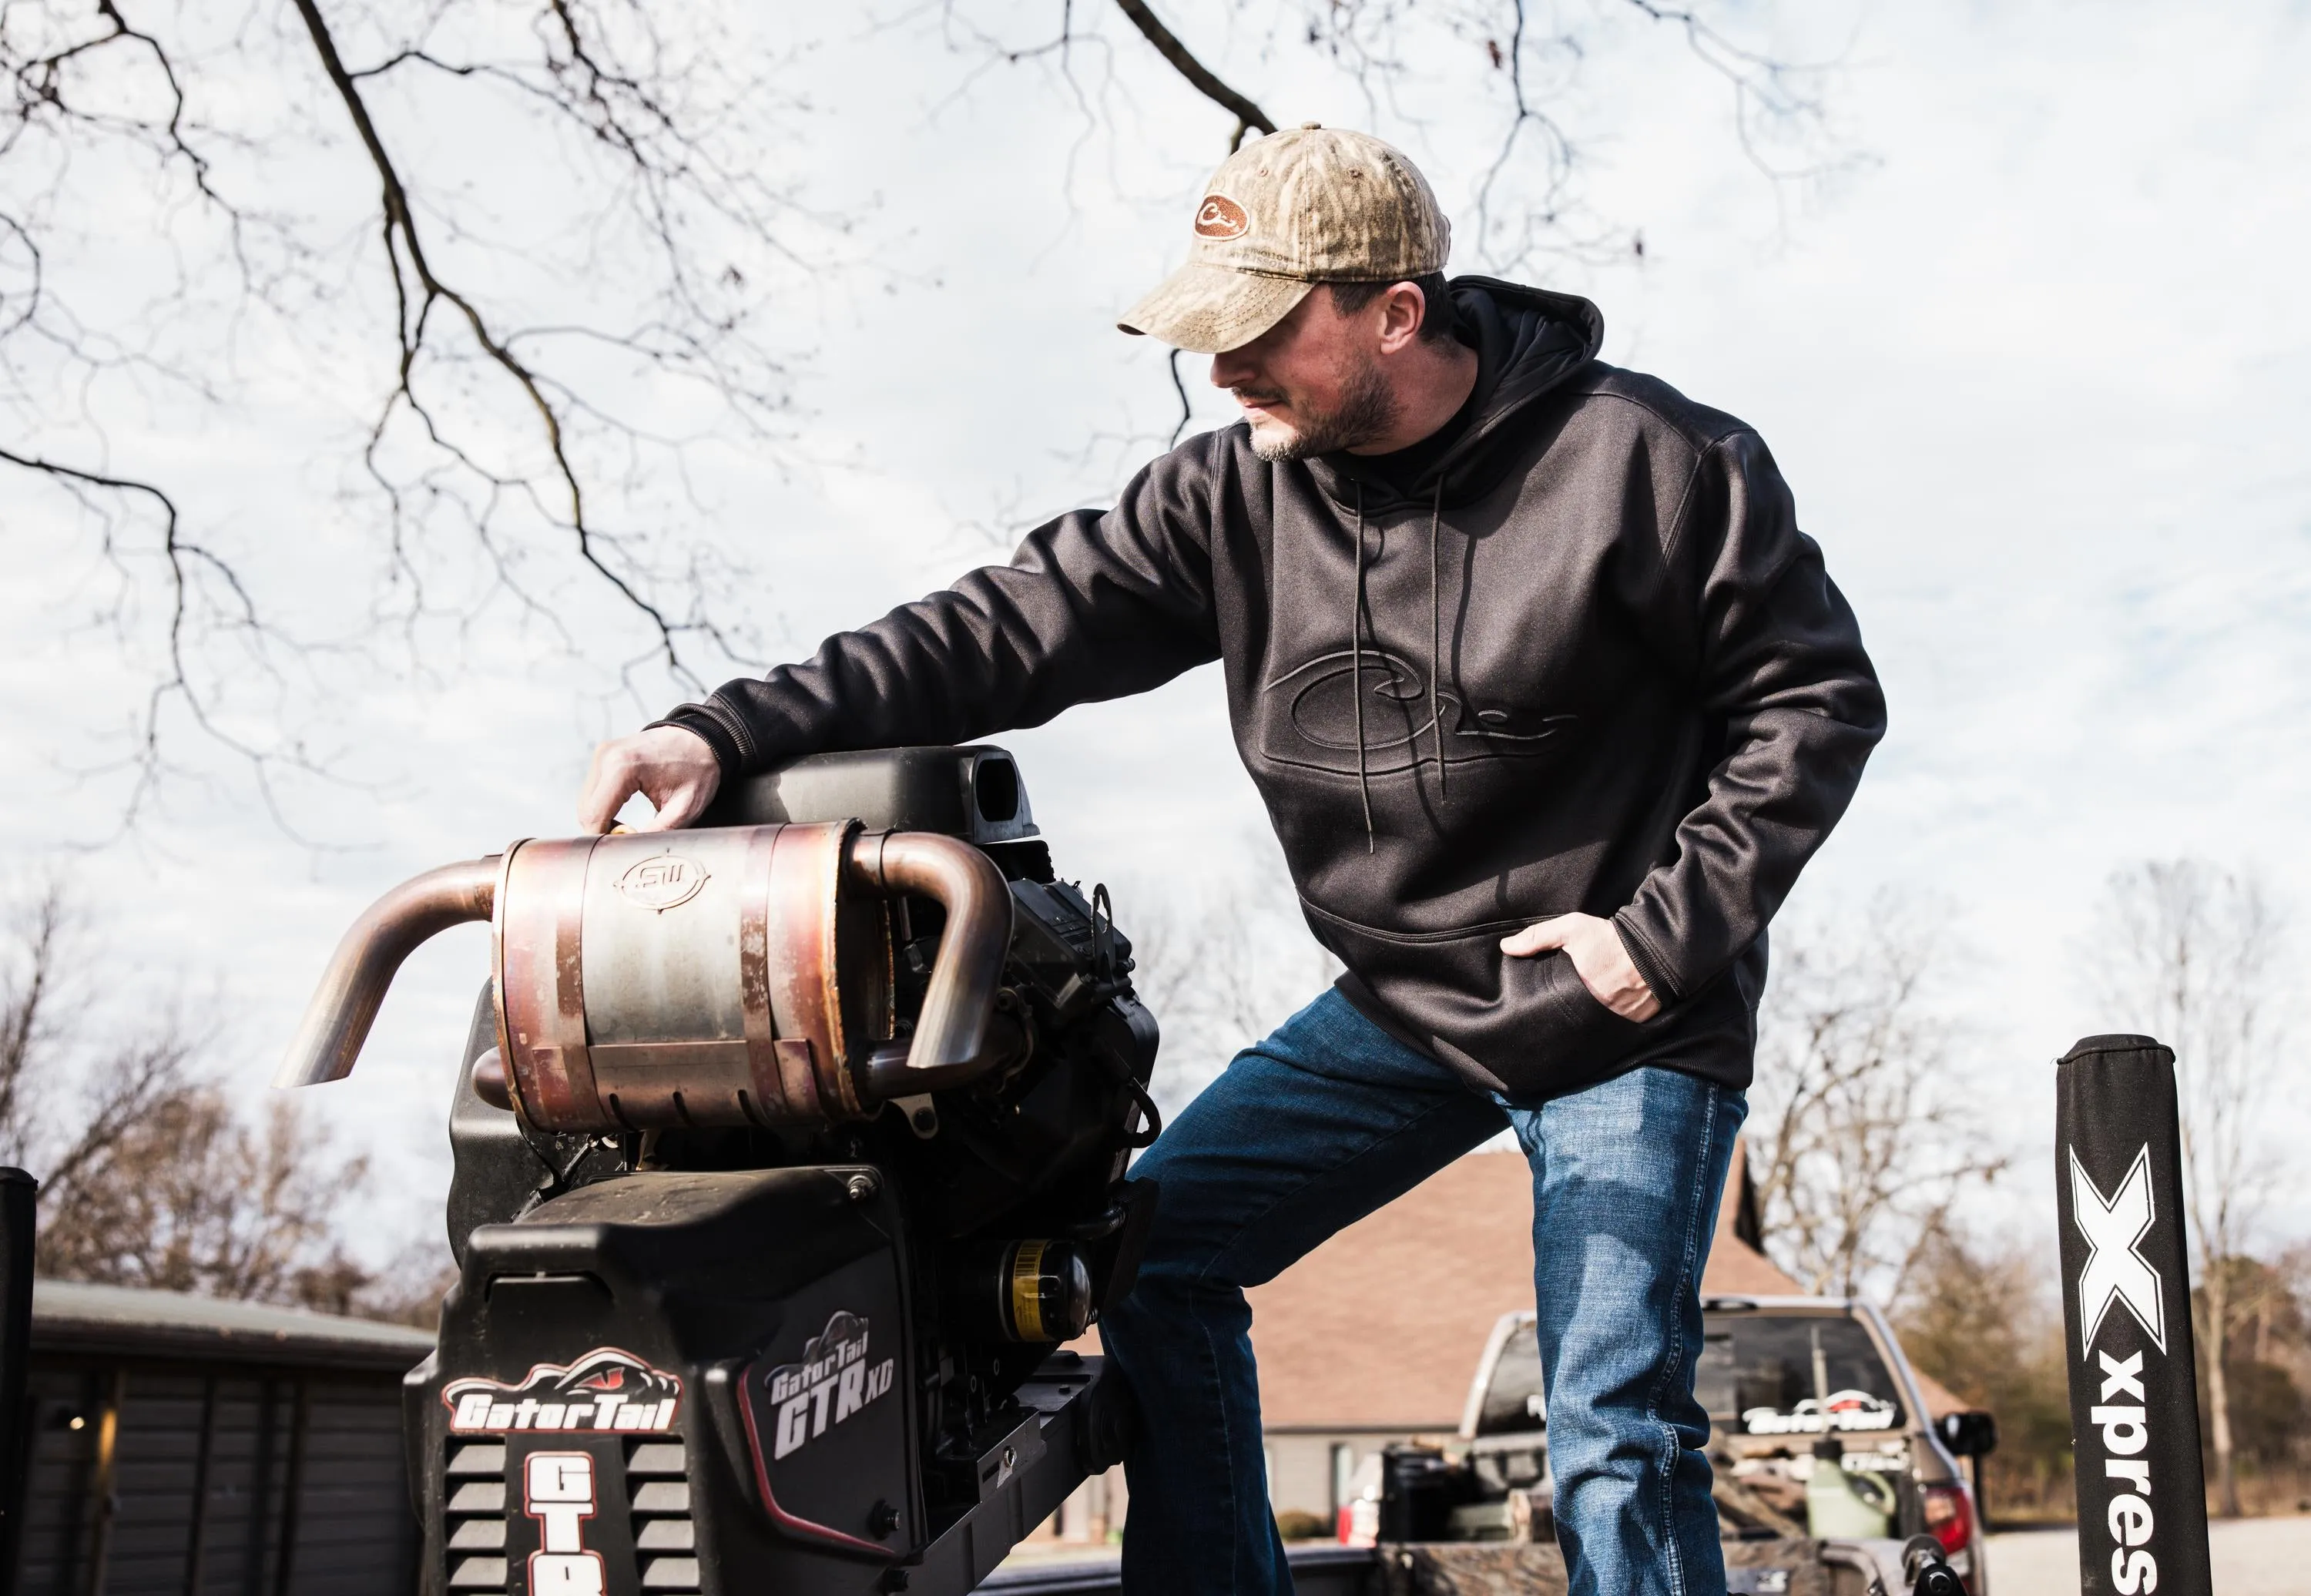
(1861, 1139)
(60, 1134)
(518, 374)
(1980, 1315)
(2188, 951)
(186, 1198)
(406, 1289)
(190, 196)
(148, 1177)
(1221, 965)
(1512, 67)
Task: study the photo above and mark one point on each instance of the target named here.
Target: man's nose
(1231, 370)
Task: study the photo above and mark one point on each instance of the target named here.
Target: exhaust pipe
(337, 1020)
(951, 1044)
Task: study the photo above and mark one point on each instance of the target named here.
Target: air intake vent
(665, 1540)
(475, 1513)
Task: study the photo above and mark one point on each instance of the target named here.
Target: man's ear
(1403, 307)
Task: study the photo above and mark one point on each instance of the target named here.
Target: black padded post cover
(2126, 1317)
(19, 1200)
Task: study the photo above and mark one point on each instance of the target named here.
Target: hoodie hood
(1529, 342)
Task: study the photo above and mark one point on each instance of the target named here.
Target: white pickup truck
(1819, 1429)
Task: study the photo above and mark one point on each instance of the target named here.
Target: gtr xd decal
(832, 1382)
(606, 1389)
(557, 1490)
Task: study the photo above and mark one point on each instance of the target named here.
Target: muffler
(729, 977)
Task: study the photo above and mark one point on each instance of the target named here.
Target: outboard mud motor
(788, 1149)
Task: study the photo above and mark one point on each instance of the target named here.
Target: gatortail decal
(834, 1378)
(1840, 1412)
(607, 1389)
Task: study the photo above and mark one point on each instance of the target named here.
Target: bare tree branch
(1220, 967)
(518, 431)
(1201, 78)
(668, 142)
(148, 1178)
(1861, 1141)
(402, 244)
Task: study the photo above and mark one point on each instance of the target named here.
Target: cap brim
(1207, 309)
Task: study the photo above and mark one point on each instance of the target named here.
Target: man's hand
(673, 767)
(1597, 957)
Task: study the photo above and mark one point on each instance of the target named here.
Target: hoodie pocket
(1528, 1028)
(1580, 1031)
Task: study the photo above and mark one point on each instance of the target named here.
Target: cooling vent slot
(475, 1513)
(665, 1541)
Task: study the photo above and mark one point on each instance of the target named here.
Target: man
(1549, 701)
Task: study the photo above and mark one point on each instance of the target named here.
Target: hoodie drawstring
(1436, 647)
(1435, 660)
(1356, 673)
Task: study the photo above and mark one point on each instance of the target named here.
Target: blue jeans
(1318, 1126)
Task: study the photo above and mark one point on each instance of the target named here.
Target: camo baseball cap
(1311, 205)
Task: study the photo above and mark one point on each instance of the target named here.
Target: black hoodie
(1600, 669)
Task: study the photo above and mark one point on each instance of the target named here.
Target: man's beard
(1368, 410)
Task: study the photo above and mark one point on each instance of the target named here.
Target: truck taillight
(1950, 1517)
(1359, 1523)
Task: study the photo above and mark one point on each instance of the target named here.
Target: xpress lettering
(2133, 1395)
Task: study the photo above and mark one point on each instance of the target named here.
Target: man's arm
(1780, 664)
(1091, 606)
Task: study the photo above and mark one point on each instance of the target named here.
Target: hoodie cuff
(1655, 969)
(701, 720)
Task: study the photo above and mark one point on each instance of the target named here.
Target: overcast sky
(2034, 362)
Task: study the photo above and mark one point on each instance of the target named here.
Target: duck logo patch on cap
(1220, 217)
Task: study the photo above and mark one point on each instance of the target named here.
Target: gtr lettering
(557, 1490)
(835, 1397)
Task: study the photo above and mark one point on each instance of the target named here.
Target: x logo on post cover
(2114, 1271)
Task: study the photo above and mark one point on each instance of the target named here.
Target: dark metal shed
(203, 1448)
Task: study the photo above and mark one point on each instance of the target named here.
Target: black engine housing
(803, 1360)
